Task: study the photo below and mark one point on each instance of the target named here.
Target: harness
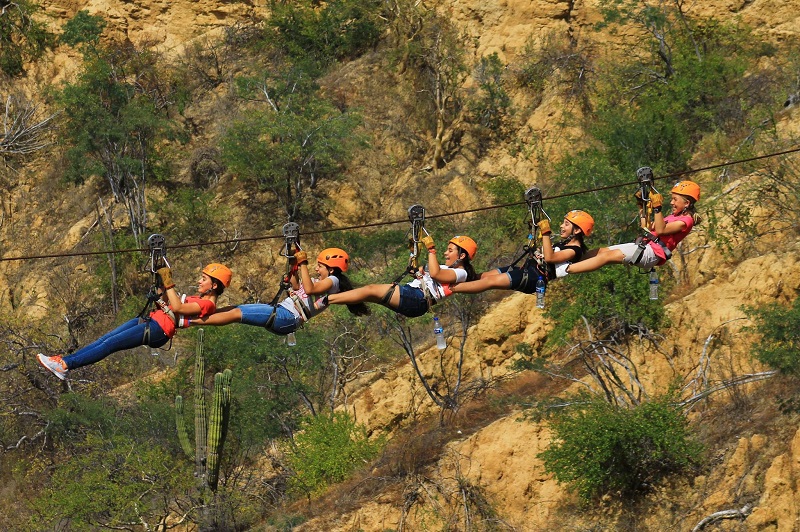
(645, 177)
(531, 252)
(416, 216)
(291, 235)
(158, 259)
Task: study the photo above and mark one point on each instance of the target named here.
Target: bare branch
(741, 513)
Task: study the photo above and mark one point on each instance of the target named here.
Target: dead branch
(23, 133)
(741, 513)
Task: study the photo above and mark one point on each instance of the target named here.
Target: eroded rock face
(501, 458)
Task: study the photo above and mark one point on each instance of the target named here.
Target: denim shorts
(412, 302)
(259, 313)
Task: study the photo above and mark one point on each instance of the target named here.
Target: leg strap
(388, 296)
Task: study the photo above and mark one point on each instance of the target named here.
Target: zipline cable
(393, 222)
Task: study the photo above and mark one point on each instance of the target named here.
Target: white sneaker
(561, 270)
(55, 364)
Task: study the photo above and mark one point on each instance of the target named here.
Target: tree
(115, 114)
(435, 52)
(22, 38)
(291, 141)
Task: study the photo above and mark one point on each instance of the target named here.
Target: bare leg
(372, 293)
(602, 257)
(486, 282)
(222, 317)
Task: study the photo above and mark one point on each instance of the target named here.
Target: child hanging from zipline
(155, 330)
(305, 300)
(662, 236)
(577, 224)
(416, 297)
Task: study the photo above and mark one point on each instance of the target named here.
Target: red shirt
(168, 325)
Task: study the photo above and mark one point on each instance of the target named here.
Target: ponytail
(466, 263)
(357, 309)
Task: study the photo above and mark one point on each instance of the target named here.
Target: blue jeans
(258, 313)
(127, 336)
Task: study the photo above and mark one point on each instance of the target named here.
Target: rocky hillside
(755, 462)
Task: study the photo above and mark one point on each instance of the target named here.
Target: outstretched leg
(603, 256)
(221, 317)
(371, 293)
(500, 281)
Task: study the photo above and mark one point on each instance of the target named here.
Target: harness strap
(643, 241)
(389, 293)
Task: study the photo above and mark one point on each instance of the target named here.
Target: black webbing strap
(291, 235)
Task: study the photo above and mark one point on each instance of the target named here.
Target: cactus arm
(215, 433)
(180, 425)
(199, 408)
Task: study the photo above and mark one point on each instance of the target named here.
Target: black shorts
(522, 279)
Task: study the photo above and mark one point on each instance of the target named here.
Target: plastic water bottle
(540, 288)
(653, 284)
(291, 341)
(438, 332)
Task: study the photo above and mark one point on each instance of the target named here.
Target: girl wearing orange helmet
(155, 331)
(575, 226)
(413, 299)
(304, 302)
(667, 232)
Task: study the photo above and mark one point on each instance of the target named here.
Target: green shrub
(599, 448)
(318, 36)
(779, 328)
(328, 450)
(22, 37)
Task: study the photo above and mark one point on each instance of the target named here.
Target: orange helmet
(334, 258)
(219, 272)
(467, 244)
(582, 219)
(687, 188)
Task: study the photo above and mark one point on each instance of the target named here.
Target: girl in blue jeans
(155, 331)
(305, 300)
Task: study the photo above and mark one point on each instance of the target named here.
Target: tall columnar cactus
(209, 435)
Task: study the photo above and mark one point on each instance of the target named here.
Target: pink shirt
(672, 240)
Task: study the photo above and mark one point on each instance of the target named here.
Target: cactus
(209, 434)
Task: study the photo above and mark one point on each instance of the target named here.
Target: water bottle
(291, 341)
(438, 332)
(540, 287)
(653, 284)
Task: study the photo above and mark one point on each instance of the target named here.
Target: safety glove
(428, 242)
(166, 277)
(544, 227)
(656, 201)
(301, 257)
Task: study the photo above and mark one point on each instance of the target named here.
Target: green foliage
(189, 215)
(598, 448)
(613, 299)
(22, 38)
(115, 122)
(112, 481)
(779, 328)
(317, 35)
(83, 28)
(491, 109)
(689, 83)
(293, 142)
(328, 450)
(548, 59)
(122, 464)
